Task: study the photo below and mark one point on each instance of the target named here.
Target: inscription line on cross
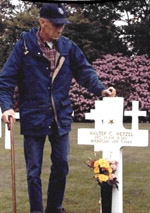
(111, 137)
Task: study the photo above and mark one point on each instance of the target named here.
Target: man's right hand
(6, 114)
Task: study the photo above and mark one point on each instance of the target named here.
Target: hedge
(129, 75)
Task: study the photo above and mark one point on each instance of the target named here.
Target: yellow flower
(96, 176)
(96, 170)
(103, 163)
(96, 163)
(102, 178)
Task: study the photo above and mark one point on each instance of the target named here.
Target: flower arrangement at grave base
(104, 173)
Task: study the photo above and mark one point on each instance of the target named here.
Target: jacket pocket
(65, 112)
(33, 118)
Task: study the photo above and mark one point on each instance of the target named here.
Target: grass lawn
(82, 191)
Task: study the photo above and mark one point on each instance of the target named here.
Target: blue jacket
(44, 98)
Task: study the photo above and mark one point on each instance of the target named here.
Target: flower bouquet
(104, 173)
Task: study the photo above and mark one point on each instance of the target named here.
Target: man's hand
(110, 92)
(6, 114)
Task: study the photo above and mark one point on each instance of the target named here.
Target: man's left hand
(110, 92)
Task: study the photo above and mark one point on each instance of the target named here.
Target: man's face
(50, 31)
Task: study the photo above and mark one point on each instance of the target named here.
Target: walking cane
(11, 128)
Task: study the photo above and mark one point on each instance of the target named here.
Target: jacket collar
(63, 44)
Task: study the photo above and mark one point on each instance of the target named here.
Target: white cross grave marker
(110, 136)
(7, 132)
(135, 113)
(0, 123)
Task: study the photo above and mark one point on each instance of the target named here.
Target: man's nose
(60, 27)
(60, 30)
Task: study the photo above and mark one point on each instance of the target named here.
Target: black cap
(55, 13)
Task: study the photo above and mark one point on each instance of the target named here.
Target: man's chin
(56, 38)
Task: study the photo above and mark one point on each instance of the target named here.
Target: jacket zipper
(54, 108)
(55, 73)
(60, 63)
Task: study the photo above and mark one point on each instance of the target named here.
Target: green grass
(82, 192)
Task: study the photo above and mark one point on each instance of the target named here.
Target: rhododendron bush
(129, 75)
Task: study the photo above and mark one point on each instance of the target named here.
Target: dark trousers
(33, 148)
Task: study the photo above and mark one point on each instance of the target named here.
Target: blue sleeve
(84, 73)
(9, 76)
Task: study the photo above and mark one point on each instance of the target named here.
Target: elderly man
(43, 64)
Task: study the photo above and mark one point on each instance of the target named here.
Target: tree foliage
(93, 29)
(13, 23)
(92, 26)
(136, 32)
(6, 9)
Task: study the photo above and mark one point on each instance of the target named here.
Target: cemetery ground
(82, 191)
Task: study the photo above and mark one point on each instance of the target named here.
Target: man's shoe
(61, 211)
(57, 211)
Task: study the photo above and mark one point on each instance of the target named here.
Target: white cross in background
(7, 132)
(135, 114)
(110, 136)
(0, 123)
